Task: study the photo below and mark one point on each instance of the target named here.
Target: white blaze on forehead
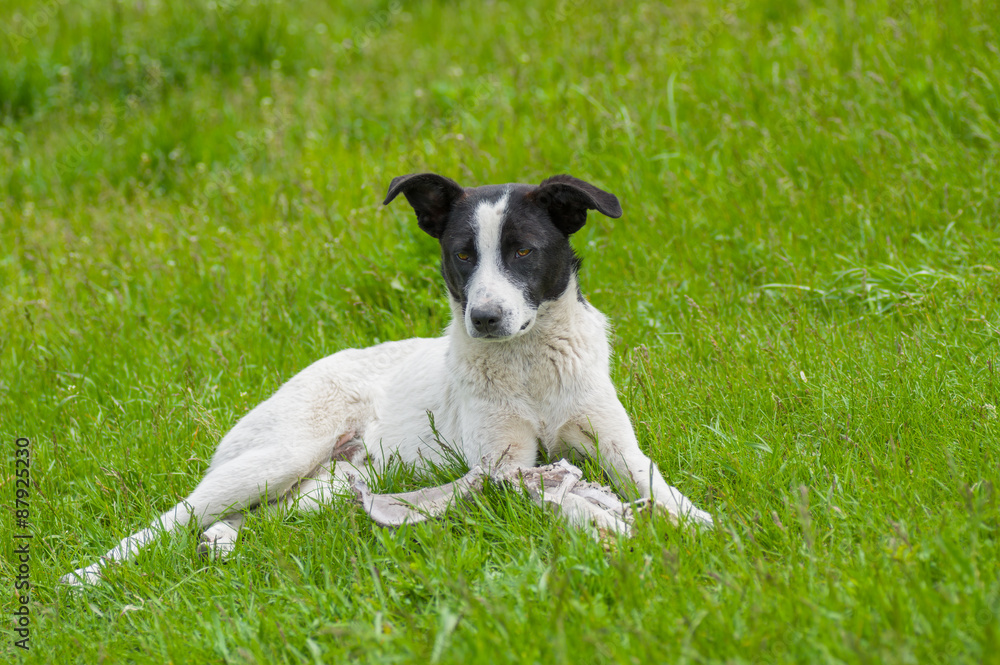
(491, 284)
(489, 218)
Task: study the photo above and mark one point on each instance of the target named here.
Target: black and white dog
(524, 363)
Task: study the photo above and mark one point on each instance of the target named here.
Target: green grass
(804, 286)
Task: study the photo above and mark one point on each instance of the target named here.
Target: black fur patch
(542, 275)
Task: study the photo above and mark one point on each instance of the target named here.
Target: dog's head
(504, 248)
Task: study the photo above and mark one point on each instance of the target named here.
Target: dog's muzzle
(494, 322)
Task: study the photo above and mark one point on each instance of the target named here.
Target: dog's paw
(700, 518)
(82, 576)
(691, 516)
(217, 541)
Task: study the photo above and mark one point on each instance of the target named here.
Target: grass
(804, 288)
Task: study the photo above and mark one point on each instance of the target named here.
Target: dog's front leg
(604, 431)
(411, 507)
(496, 437)
(560, 487)
(495, 445)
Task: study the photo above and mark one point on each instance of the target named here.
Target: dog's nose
(486, 320)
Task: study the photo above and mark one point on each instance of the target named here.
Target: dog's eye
(462, 256)
(524, 251)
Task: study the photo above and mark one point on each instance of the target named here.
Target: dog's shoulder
(575, 327)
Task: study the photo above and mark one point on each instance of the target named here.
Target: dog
(523, 364)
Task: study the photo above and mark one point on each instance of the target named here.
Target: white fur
(492, 401)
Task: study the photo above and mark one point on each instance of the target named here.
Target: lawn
(805, 290)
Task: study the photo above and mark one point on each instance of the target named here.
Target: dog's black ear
(431, 196)
(568, 199)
